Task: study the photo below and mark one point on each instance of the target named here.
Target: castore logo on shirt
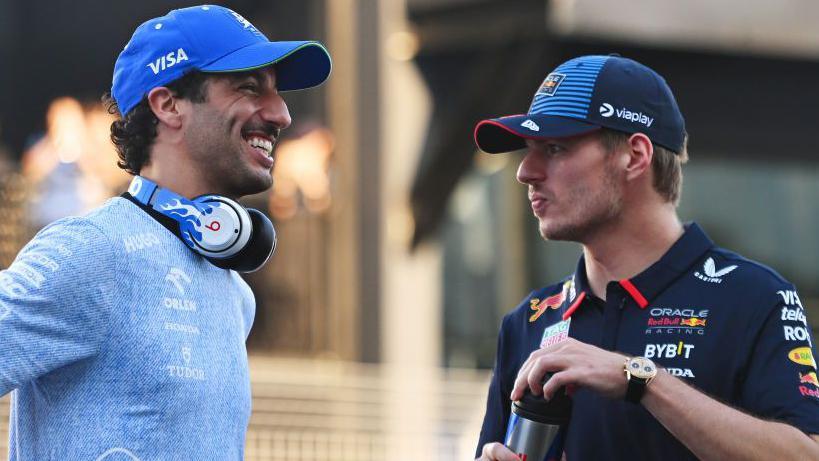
(712, 275)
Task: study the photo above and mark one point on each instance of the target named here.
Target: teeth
(261, 143)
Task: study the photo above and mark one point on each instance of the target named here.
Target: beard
(592, 211)
(222, 159)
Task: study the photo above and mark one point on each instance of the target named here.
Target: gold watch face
(641, 367)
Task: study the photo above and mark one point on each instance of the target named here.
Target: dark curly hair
(134, 134)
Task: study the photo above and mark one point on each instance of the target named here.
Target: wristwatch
(639, 372)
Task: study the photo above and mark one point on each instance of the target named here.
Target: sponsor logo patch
(809, 378)
(623, 113)
(550, 84)
(552, 302)
(796, 314)
(790, 297)
(570, 290)
(668, 351)
(693, 322)
(664, 320)
(802, 356)
(556, 333)
(808, 392)
(530, 124)
(681, 372)
(710, 273)
(796, 334)
(167, 61)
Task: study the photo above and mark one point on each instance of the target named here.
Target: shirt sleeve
(781, 381)
(498, 405)
(55, 301)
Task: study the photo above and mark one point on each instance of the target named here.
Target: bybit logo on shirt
(711, 274)
(668, 351)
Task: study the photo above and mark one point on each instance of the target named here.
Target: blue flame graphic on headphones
(187, 214)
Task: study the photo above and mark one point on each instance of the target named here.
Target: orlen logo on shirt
(167, 61)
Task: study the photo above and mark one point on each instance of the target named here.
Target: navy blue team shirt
(731, 327)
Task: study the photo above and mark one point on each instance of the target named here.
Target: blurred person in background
(122, 332)
(670, 347)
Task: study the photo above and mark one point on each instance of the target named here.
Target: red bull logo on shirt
(693, 322)
(809, 378)
(552, 302)
(808, 392)
(665, 320)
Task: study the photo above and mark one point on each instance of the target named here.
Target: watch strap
(635, 389)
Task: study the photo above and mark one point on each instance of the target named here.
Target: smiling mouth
(262, 144)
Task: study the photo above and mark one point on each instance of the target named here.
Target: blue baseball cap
(209, 38)
(587, 93)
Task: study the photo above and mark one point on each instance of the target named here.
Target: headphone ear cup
(226, 228)
(261, 245)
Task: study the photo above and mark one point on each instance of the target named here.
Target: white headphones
(229, 235)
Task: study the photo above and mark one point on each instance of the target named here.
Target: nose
(530, 169)
(274, 110)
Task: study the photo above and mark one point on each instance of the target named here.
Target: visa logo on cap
(168, 60)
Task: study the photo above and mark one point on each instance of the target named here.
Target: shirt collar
(646, 285)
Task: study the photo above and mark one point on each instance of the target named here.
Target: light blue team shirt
(121, 344)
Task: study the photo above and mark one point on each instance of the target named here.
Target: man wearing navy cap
(676, 348)
(122, 332)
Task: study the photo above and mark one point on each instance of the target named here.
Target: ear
(165, 106)
(640, 154)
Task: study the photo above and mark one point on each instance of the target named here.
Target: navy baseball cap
(209, 38)
(586, 93)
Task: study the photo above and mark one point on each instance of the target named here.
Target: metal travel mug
(534, 424)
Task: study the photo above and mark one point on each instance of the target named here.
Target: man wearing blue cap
(122, 332)
(669, 346)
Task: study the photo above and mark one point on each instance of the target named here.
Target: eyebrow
(258, 75)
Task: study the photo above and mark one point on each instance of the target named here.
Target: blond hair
(666, 164)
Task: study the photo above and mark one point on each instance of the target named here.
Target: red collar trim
(574, 305)
(635, 293)
(632, 290)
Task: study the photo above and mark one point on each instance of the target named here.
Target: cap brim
(299, 65)
(506, 134)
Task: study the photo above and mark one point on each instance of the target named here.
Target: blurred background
(400, 247)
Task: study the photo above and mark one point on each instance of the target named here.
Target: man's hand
(497, 452)
(574, 364)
